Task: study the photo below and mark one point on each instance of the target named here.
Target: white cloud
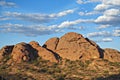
(111, 17)
(75, 27)
(112, 2)
(107, 40)
(37, 17)
(106, 11)
(86, 1)
(116, 32)
(3, 18)
(105, 4)
(63, 13)
(80, 1)
(99, 34)
(89, 13)
(112, 12)
(66, 24)
(101, 7)
(35, 30)
(94, 0)
(7, 4)
(29, 30)
(103, 26)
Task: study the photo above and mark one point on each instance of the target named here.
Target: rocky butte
(72, 46)
(70, 57)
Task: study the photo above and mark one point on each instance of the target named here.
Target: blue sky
(39, 20)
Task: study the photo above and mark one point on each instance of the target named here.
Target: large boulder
(51, 44)
(5, 51)
(34, 44)
(112, 55)
(74, 46)
(43, 52)
(23, 52)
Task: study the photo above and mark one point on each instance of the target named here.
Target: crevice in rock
(101, 52)
(80, 57)
(91, 42)
(34, 51)
(54, 53)
(57, 44)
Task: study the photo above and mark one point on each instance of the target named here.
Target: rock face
(112, 55)
(44, 53)
(74, 46)
(51, 43)
(34, 44)
(7, 50)
(23, 52)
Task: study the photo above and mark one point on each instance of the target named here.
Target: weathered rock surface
(51, 43)
(23, 52)
(74, 46)
(34, 44)
(7, 50)
(112, 55)
(44, 53)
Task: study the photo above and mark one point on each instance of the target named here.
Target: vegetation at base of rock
(64, 70)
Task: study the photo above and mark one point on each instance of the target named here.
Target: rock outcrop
(51, 44)
(112, 55)
(7, 50)
(44, 53)
(72, 46)
(23, 52)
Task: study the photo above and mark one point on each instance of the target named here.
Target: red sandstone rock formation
(7, 50)
(72, 46)
(112, 55)
(44, 53)
(23, 52)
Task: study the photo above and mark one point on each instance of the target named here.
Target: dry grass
(65, 70)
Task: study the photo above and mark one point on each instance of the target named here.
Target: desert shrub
(54, 65)
(4, 66)
(59, 76)
(93, 71)
(88, 62)
(6, 58)
(43, 70)
(73, 78)
(106, 72)
(116, 64)
(81, 64)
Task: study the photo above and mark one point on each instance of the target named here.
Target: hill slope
(71, 57)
